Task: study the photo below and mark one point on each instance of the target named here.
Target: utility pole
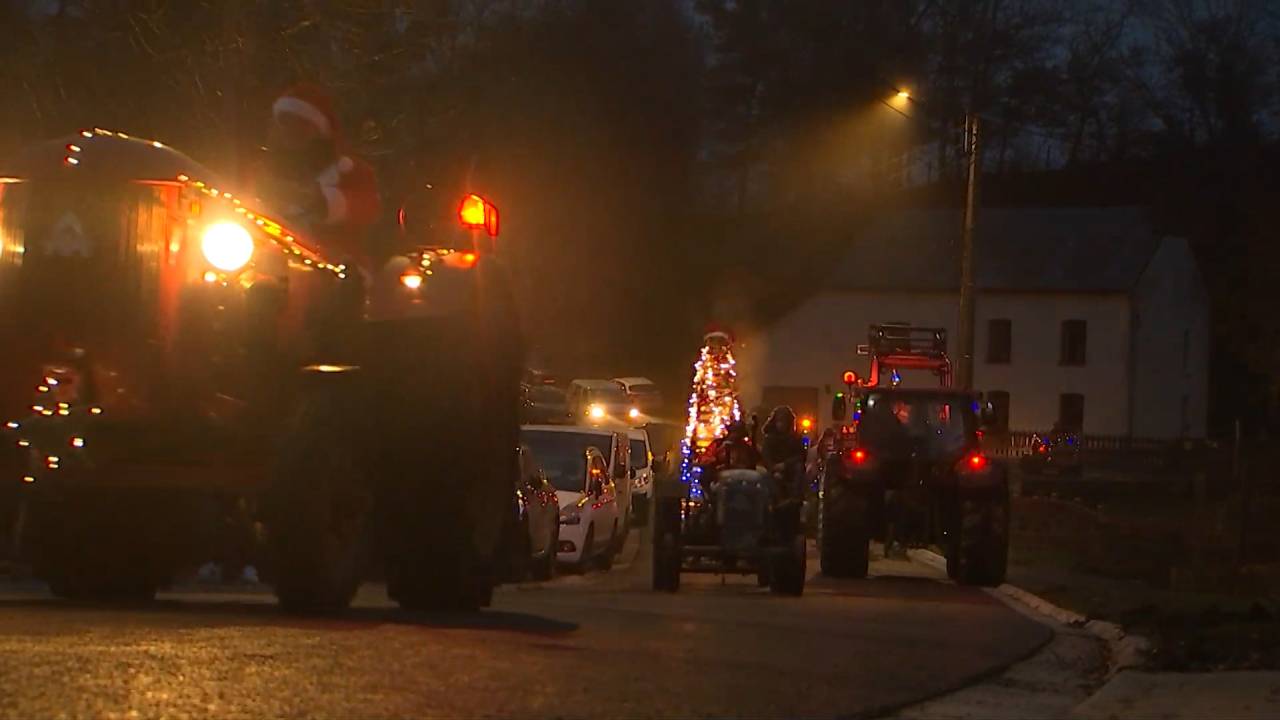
(966, 254)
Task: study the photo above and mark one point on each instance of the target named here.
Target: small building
(1083, 316)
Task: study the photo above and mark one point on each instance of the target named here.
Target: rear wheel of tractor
(844, 532)
(588, 547)
(979, 552)
(666, 545)
(317, 513)
(642, 510)
(763, 575)
(433, 564)
(790, 568)
(437, 582)
(522, 561)
(68, 553)
(545, 569)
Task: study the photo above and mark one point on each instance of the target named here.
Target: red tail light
(976, 461)
(859, 456)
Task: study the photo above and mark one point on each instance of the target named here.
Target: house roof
(1018, 249)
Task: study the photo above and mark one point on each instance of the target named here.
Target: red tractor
(906, 467)
(186, 378)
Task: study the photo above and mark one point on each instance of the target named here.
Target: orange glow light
(477, 213)
(472, 211)
(806, 424)
(468, 259)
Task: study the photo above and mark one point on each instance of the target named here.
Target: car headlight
(596, 412)
(570, 516)
(227, 246)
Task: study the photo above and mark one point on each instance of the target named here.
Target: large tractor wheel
(545, 569)
(440, 580)
(115, 545)
(844, 531)
(641, 510)
(317, 510)
(667, 554)
(432, 550)
(790, 568)
(979, 549)
(791, 565)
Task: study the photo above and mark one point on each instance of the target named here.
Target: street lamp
(967, 319)
(964, 366)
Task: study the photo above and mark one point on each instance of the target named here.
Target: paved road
(598, 645)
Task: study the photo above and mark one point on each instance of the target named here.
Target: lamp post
(966, 329)
(966, 334)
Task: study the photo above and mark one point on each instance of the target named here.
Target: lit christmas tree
(713, 404)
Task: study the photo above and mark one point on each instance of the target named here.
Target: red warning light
(477, 213)
(850, 377)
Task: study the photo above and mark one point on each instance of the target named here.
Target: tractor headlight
(227, 246)
(596, 412)
(411, 280)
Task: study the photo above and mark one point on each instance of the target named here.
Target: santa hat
(312, 103)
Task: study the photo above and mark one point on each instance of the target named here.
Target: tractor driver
(733, 451)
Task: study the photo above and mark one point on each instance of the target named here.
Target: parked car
(593, 489)
(641, 475)
(598, 402)
(544, 405)
(644, 395)
(535, 529)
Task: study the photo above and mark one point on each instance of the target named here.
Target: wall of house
(814, 344)
(1034, 377)
(1171, 346)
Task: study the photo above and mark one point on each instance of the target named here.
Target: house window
(999, 400)
(999, 341)
(1074, 336)
(1071, 411)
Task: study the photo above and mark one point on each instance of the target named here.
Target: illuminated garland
(713, 405)
(283, 238)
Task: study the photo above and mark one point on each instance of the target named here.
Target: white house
(1083, 316)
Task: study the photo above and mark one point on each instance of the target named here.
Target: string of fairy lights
(282, 237)
(713, 405)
